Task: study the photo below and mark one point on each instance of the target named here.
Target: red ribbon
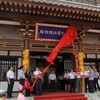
(27, 83)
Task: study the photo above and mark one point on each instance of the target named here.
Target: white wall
(15, 53)
(91, 56)
(3, 53)
(19, 62)
(98, 55)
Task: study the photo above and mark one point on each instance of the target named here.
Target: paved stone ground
(15, 95)
(27, 98)
(93, 96)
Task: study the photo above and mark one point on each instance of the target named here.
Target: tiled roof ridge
(70, 4)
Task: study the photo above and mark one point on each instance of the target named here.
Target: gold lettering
(50, 32)
(41, 31)
(46, 32)
(59, 32)
(54, 32)
(62, 33)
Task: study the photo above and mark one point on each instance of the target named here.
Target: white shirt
(21, 74)
(71, 75)
(36, 73)
(78, 75)
(10, 74)
(96, 75)
(52, 76)
(65, 75)
(86, 72)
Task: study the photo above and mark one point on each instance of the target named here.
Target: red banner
(67, 39)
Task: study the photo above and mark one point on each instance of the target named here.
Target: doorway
(61, 63)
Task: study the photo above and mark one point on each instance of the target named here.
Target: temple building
(30, 29)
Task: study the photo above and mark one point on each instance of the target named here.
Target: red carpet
(60, 96)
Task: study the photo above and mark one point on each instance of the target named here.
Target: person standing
(96, 77)
(86, 79)
(66, 81)
(91, 80)
(28, 77)
(52, 81)
(38, 85)
(10, 80)
(72, 80)
(21, 76)
(78, 82)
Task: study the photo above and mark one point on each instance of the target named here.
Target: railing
(91, 48)
(48, 47)
(11, 44)
(18, 44)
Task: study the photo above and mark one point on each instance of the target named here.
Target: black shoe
(39, 93)
(28, 95)
(11, 96)
(8, 97)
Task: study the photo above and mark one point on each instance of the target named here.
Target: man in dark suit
(28, 77)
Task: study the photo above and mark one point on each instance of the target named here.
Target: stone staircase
(61, 96)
